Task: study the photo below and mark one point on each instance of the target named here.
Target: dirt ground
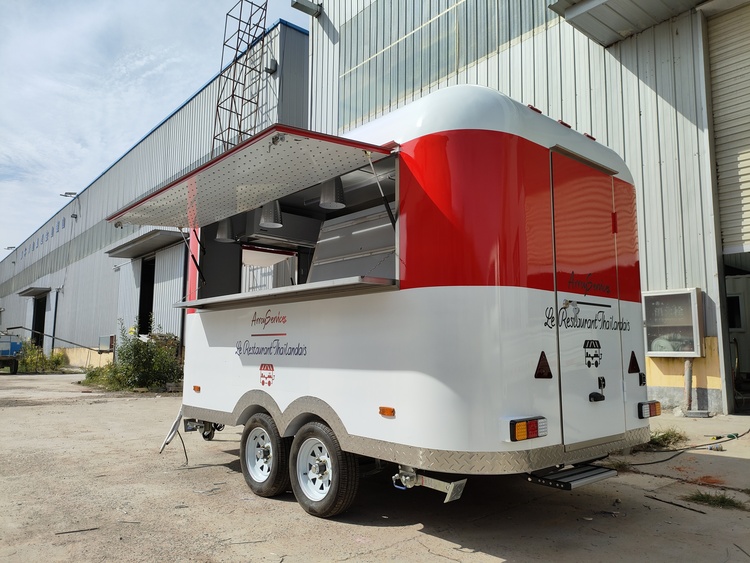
(81, 479)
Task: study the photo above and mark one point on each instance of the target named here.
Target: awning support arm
(200, 242)
(192, 256)
(385, 200)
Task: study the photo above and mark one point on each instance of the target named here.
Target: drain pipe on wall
(54, 318)
(689, 394)
(688, 386)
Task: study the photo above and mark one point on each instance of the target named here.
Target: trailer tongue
(497, 329)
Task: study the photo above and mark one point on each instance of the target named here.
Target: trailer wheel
(208, 435)
(14, 367)
(325, 478)
(264, 456)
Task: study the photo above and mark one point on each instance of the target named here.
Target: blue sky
(82, 81)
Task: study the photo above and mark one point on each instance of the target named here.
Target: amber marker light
(387, 411)
(197, 388)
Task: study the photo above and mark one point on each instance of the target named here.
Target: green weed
(32, 359)
(150, 362)
(666, 439)
(718, 500)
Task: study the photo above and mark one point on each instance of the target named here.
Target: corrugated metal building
(78, 276)
(664, 84)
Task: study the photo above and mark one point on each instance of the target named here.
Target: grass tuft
(718, 500)
(668, 438)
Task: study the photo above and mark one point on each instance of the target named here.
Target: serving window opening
(337, 229)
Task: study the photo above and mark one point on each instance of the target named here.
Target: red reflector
(543, 370)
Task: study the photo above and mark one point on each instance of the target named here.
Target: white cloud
(83, 81)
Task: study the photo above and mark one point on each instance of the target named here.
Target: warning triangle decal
(542, 368)
(633, 367)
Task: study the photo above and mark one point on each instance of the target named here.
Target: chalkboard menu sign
(673, 322)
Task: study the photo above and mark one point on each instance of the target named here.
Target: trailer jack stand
(172, 431)
(407, 477)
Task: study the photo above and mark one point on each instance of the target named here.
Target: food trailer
(419, 293)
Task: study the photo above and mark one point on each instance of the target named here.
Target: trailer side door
(587, 294)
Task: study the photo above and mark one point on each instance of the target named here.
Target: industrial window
(390, 51)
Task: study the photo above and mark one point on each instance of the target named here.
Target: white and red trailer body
(508, 340)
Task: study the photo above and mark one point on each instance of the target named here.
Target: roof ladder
(240, 81)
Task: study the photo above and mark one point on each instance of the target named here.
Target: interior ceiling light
(332, 194)
(225, 232)
(270, 215)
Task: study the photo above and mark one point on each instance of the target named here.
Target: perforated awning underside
(275, 163)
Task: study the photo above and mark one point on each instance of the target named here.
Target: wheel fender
(252, 403)
(308, 409)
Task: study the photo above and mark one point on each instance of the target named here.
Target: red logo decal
(266, 374)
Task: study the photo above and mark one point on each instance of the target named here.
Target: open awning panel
(275, 163)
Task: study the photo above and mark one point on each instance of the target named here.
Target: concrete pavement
(722, 462)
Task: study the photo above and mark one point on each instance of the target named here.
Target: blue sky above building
(84, 81)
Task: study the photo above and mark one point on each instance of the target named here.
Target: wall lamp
(309, 8)
(272, 67)
(69, 194)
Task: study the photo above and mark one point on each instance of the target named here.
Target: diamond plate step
(574, 477)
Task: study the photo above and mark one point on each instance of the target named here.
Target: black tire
(264, 456)
(208, 435)
(324, 478)
(14, 367)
